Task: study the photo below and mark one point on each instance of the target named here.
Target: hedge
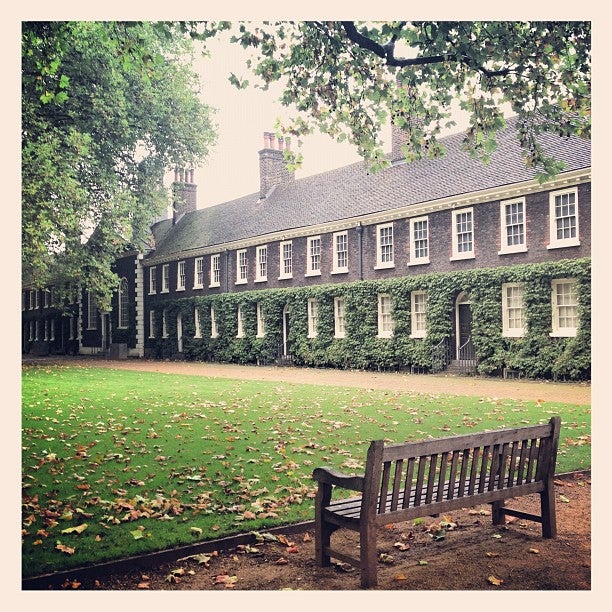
(535, 355)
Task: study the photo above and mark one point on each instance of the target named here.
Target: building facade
(435, 264)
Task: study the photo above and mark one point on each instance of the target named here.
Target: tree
(350, 79)
(107, 108)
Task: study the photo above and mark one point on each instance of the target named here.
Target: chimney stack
(272, 167)
(184, 194)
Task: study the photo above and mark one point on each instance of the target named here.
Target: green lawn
(117, 463)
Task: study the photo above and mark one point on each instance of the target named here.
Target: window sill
(165, 291)
(419, 262)
(562, 245)
(241, 282)
(285, 277)
(262, 280)
(213, 285)
(513, 334)
(152, 292)
(384, 336)
(198, 286)
(567, 333)
(180, 289)
(317, 273)
(461, 257)
(340, 271)
(384, 266)
(511, 251)
(417, 336)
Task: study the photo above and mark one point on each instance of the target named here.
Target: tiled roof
(352, 191)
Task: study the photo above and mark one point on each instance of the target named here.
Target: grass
(118, 463)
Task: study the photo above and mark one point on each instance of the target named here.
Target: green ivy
(536, 355)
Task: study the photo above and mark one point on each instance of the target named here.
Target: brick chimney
(184, 194)
(272, 167)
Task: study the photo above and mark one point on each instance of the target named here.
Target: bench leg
(367, 556)
(323, 533)
(549, 512)
(498, 512)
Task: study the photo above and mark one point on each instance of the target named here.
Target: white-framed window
(196, 323)
(46, 298)
(384, 246)
(340, 250)
(151, 323)
(385, 319)
(214, 328)
(313, 318)
(123, 300)
(313, 256)
(261, 257)
(513, 311)
(564, 307)
(418, 314)
(92, 311)
(152, 280)
(240, 320)
(513, 217)
(31, 336)
(165, 278)
(46, 330)
(419, 241)
(164, 324)
(37, 331)
(180, 276)
(23, 300)
(215, 270)
(463, 234)
(261, 322)
(564, 219)
(52, 323)
(286, 260)
(71, 326)
(339, 317)
(32, 300)
(198, 273)
(242, 267)
(37, 300)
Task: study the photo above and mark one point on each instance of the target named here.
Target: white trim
(559, 243)
(507, 331)
(313, 317)
(417, 261)
(485, 196)
(240, 322)
(197, 323)
(214, 257)
(380, 264)
(384, 333)
(339, 308)
(310, 271)
(506, 249)
(414, 332)
(198, 262)
(336, 269)
(259, 278)
(242, 266)
(165, 288)
(181, 266)
(557, 331)
(214, 327)
(152, 323)
(456, 254)
(164, 323)
(283, 274)
(261, 322)
(153, 277)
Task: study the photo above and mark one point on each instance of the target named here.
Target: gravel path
(570, 393)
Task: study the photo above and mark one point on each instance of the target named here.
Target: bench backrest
(444, 470)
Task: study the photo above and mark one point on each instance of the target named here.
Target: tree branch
(387, 52)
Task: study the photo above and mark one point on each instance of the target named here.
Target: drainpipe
(360, 250)
(226, 271)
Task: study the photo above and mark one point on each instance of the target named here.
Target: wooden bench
(415, 479)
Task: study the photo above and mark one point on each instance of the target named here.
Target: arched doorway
(463, 327)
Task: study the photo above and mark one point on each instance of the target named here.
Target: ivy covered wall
(535, 355)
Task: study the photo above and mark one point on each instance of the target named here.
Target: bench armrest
(333, 477)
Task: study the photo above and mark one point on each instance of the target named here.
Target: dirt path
(570, 393)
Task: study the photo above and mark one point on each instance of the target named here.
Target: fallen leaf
(401, 546)
(65, 549)
(400, 577)
(564, 499)
(282, 561)
(143, 585)
(535, 551)
(385, 558)
(492, 554)
(495, 581)
(79, 529)
(423, 562)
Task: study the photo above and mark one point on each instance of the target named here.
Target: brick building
(396, 269)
